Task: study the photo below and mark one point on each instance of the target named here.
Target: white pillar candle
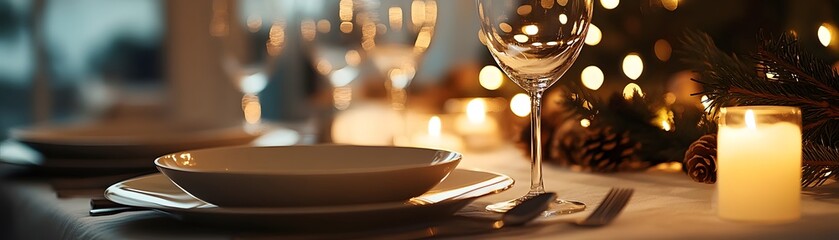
(759, 164)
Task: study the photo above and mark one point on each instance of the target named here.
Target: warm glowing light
(536, 44)
(662, 50)
(609, 4)
(254, 23)
(435, 127)
(476, 110)
(251, 108)
(505, 27)
(592, 77)
(345, 10)
(423, 39)
(323, 67)
(368, 35)
(276, 39)
(524, 10)
(520, 105)
(342, 97)
(670, 5)
(431, 13)
(400, 77)
(593, 36)
(633, 66)
(307, 30)
(825, 35)
(418, 13)
(562, 2)
(353, 58)
(346, 27)
(491, 77)
(585, 123)
(395, 14)
(324, 26)
(750, 119)
(631, 89)
(665, 125)
(563, 18)
(521, 38)
(530, 30)
(552, 43)
(343, 77)
(547, 4)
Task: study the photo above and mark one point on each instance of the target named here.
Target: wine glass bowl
(251, 36)
(535, 42)
(332, 35)
(402, 32)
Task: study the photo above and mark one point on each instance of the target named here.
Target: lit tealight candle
(478, 129)
(759, 159)
(435, 138)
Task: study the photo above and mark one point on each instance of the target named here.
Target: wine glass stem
(536, 184)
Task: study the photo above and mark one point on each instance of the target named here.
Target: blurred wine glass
(535, 42)
(332, 33)
(252, 36)
(396, 35)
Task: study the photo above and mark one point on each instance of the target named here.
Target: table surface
(666, 205)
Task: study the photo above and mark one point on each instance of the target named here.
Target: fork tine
(618, 205)
(609, 208)
(604, 204)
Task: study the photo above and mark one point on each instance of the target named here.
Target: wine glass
(535, 42)
(332, 33)
(251, 35)
(396, 35)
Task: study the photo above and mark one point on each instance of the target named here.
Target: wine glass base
(558, 207)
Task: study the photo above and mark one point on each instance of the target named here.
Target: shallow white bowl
(317, 175)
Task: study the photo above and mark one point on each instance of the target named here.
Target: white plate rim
(504, 182)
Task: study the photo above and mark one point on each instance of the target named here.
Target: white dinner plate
(125, 140)
(460, 188)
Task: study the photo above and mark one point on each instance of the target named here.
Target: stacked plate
(308, 186)
(109, 147)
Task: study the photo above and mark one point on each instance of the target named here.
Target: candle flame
(476, 111)
(750, 119)
(435, 126)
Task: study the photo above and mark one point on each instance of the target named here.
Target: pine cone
(606, 151)
(700, 161)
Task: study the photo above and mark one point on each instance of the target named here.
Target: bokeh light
(825, 34)
(593, 36)
(662, 50)
(520, 105)
(630, 89)
(592, 77)
(633, 66)
(491, 77)
(609, 4)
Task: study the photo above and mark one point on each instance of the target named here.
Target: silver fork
(612, 205)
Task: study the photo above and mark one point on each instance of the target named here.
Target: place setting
(420, 119)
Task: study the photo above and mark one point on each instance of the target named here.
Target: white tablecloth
(666, 205)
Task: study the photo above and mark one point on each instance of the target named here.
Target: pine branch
(821, 163)
(779, 73)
